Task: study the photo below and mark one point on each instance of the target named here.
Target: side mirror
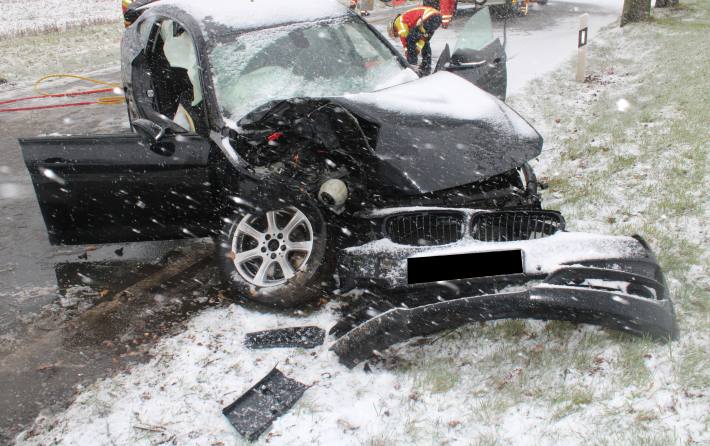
(148, 130)
(444, 59)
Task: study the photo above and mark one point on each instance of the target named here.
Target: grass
(379, 441)
(570, 400)
(637, 436)
(640, 171)
(631, 361)
(692, 368)
(84, 25)
(436, 374)
(486, 440)
(675, 147)
(78, 50)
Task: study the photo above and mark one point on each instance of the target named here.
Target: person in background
(415, 28)
(447, 8)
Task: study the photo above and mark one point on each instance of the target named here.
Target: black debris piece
(267, 400)
(304, 337)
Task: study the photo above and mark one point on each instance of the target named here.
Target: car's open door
(116, 188)
(478, 56)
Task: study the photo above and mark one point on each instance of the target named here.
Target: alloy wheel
(269, 250)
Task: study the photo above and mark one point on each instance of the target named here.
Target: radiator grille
(506, 226)
(425, 228)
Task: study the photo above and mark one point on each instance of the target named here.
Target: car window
(180, 52)
(304, 60)
(367, 45)
(477, 33)
(175, 76)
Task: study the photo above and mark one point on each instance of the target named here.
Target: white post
(582, 36)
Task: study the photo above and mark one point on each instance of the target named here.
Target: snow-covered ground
(626, 152)
(23, 17)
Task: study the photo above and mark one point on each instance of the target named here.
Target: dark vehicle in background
(303, 143)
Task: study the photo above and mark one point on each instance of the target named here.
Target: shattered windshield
(329, 58)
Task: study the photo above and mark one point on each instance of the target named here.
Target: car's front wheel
(277, 257)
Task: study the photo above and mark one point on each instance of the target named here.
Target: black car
(298, 137)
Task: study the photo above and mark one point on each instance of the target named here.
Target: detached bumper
(614, 282)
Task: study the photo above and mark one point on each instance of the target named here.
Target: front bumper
(609, 281)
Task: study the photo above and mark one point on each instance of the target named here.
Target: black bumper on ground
(626, 293)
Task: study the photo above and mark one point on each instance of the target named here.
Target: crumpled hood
(441, 131)
(431, 134)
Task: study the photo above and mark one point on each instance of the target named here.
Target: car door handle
(464, 65)
(55, 160)
(163, 148)
(470, 64)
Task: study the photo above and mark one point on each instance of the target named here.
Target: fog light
(333, 193)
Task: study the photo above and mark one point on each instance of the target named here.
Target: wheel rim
(269, 250)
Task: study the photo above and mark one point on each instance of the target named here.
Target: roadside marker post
(582, 38)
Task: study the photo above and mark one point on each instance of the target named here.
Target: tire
(297, 256)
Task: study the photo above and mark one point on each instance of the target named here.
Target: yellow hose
(106, 100)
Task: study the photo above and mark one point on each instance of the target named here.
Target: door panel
(114, 188)
(479, 57)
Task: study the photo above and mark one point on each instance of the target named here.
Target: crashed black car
(298, 137)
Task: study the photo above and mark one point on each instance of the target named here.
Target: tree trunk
(635, 11)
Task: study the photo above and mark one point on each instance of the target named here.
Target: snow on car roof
(252, 14)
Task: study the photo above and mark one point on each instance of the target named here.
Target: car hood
(431, 134)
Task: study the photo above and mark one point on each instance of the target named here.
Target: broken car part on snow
(303, 143)
(303, 337)
(254, 411)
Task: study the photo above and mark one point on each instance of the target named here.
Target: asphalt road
(56, 334)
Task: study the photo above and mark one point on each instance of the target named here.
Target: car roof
(243, 15)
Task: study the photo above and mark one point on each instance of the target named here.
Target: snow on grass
(25, 59)
(643, 171)
(29, 17)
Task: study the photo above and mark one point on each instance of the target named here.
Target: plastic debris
(255, 410)
(304, 337)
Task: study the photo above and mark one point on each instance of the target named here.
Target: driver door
(122, 188)
(116, 188)
(478, 56)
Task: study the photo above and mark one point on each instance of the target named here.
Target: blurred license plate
(464, 266)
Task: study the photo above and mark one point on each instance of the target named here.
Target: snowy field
(28, 17)
(626, 152)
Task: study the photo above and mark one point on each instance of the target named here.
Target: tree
(635, 11)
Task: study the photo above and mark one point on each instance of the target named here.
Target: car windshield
(329, 58)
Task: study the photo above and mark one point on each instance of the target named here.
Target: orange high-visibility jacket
(447, 9)
(411, 19)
